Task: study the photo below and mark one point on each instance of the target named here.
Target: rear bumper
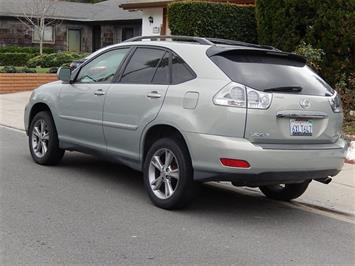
(267, 166)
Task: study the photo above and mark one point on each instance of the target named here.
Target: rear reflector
(235, 163)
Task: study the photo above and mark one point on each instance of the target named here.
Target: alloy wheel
(40, 138)
(164, 173)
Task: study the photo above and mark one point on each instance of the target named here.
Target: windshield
(268, 72)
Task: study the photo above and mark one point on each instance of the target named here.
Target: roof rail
(232, 42)
(199, 40)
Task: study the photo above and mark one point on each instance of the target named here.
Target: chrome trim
(301, 114)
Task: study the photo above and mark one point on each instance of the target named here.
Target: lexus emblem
(305, 103)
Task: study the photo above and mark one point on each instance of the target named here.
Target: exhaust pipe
(325, 180)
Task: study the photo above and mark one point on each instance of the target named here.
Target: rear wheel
(284, 192)
(168, 174)
(43, 140)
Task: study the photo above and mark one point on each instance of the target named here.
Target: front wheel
(168, 174)
(43, 140)
(284, 192)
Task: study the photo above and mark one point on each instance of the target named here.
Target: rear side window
(180, 70)
(267, 72)
(142, 66)
(162, 75)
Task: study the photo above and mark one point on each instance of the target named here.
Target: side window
(142, 66)
(162, 75)
(180, 70)
(103, 68)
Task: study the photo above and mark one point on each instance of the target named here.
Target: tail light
(238, 95)
(335, 103)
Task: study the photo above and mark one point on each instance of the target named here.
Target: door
(96, 38)
(74, 40)
(81, 103)
(135, 101)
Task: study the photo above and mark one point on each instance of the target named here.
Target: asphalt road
(87, 211)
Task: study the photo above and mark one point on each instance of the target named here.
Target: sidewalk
(338, 196)
(12, 107)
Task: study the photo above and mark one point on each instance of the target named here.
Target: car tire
(177, 172)
(43, 140)
(285, 192)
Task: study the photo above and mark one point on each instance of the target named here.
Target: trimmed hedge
(216, 20)
(30, 50)
(326, 25)
(54, 59)
(14, 59)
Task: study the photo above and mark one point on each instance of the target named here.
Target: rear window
(266, 72)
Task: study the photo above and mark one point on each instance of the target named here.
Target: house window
(48, 36)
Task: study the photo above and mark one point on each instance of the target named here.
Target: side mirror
(64, 74)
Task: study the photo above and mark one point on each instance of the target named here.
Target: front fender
(46, 94)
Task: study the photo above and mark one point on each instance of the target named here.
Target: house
(77, 27)
(154, 17)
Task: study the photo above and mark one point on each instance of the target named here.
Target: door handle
(99, 92)
(154, 95)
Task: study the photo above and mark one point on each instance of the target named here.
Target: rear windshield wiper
(285, 89)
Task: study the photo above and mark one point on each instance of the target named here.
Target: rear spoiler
(220, 50)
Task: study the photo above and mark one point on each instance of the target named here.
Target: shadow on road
(211, 202)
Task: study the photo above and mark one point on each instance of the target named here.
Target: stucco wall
(157, 15)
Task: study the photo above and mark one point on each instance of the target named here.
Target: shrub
(314, 56)
(26, 70)
(54, 60)
(14, 59)
(217, 20)
(30, 50)
(12, 69)
(8, 69)
(326, 25)
(346, 88)
(53, 70)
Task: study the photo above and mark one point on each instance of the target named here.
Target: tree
(36, 16)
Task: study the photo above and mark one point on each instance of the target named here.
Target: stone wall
(13, 82)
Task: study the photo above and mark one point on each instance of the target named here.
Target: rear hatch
(304, 109)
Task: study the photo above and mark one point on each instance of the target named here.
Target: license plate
(301, 127)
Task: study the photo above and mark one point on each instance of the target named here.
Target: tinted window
(162, 75)
(263, 72)
(103, 68)
(180, 70)
(142, 66)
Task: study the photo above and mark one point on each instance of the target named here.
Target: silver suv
(186, 110)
